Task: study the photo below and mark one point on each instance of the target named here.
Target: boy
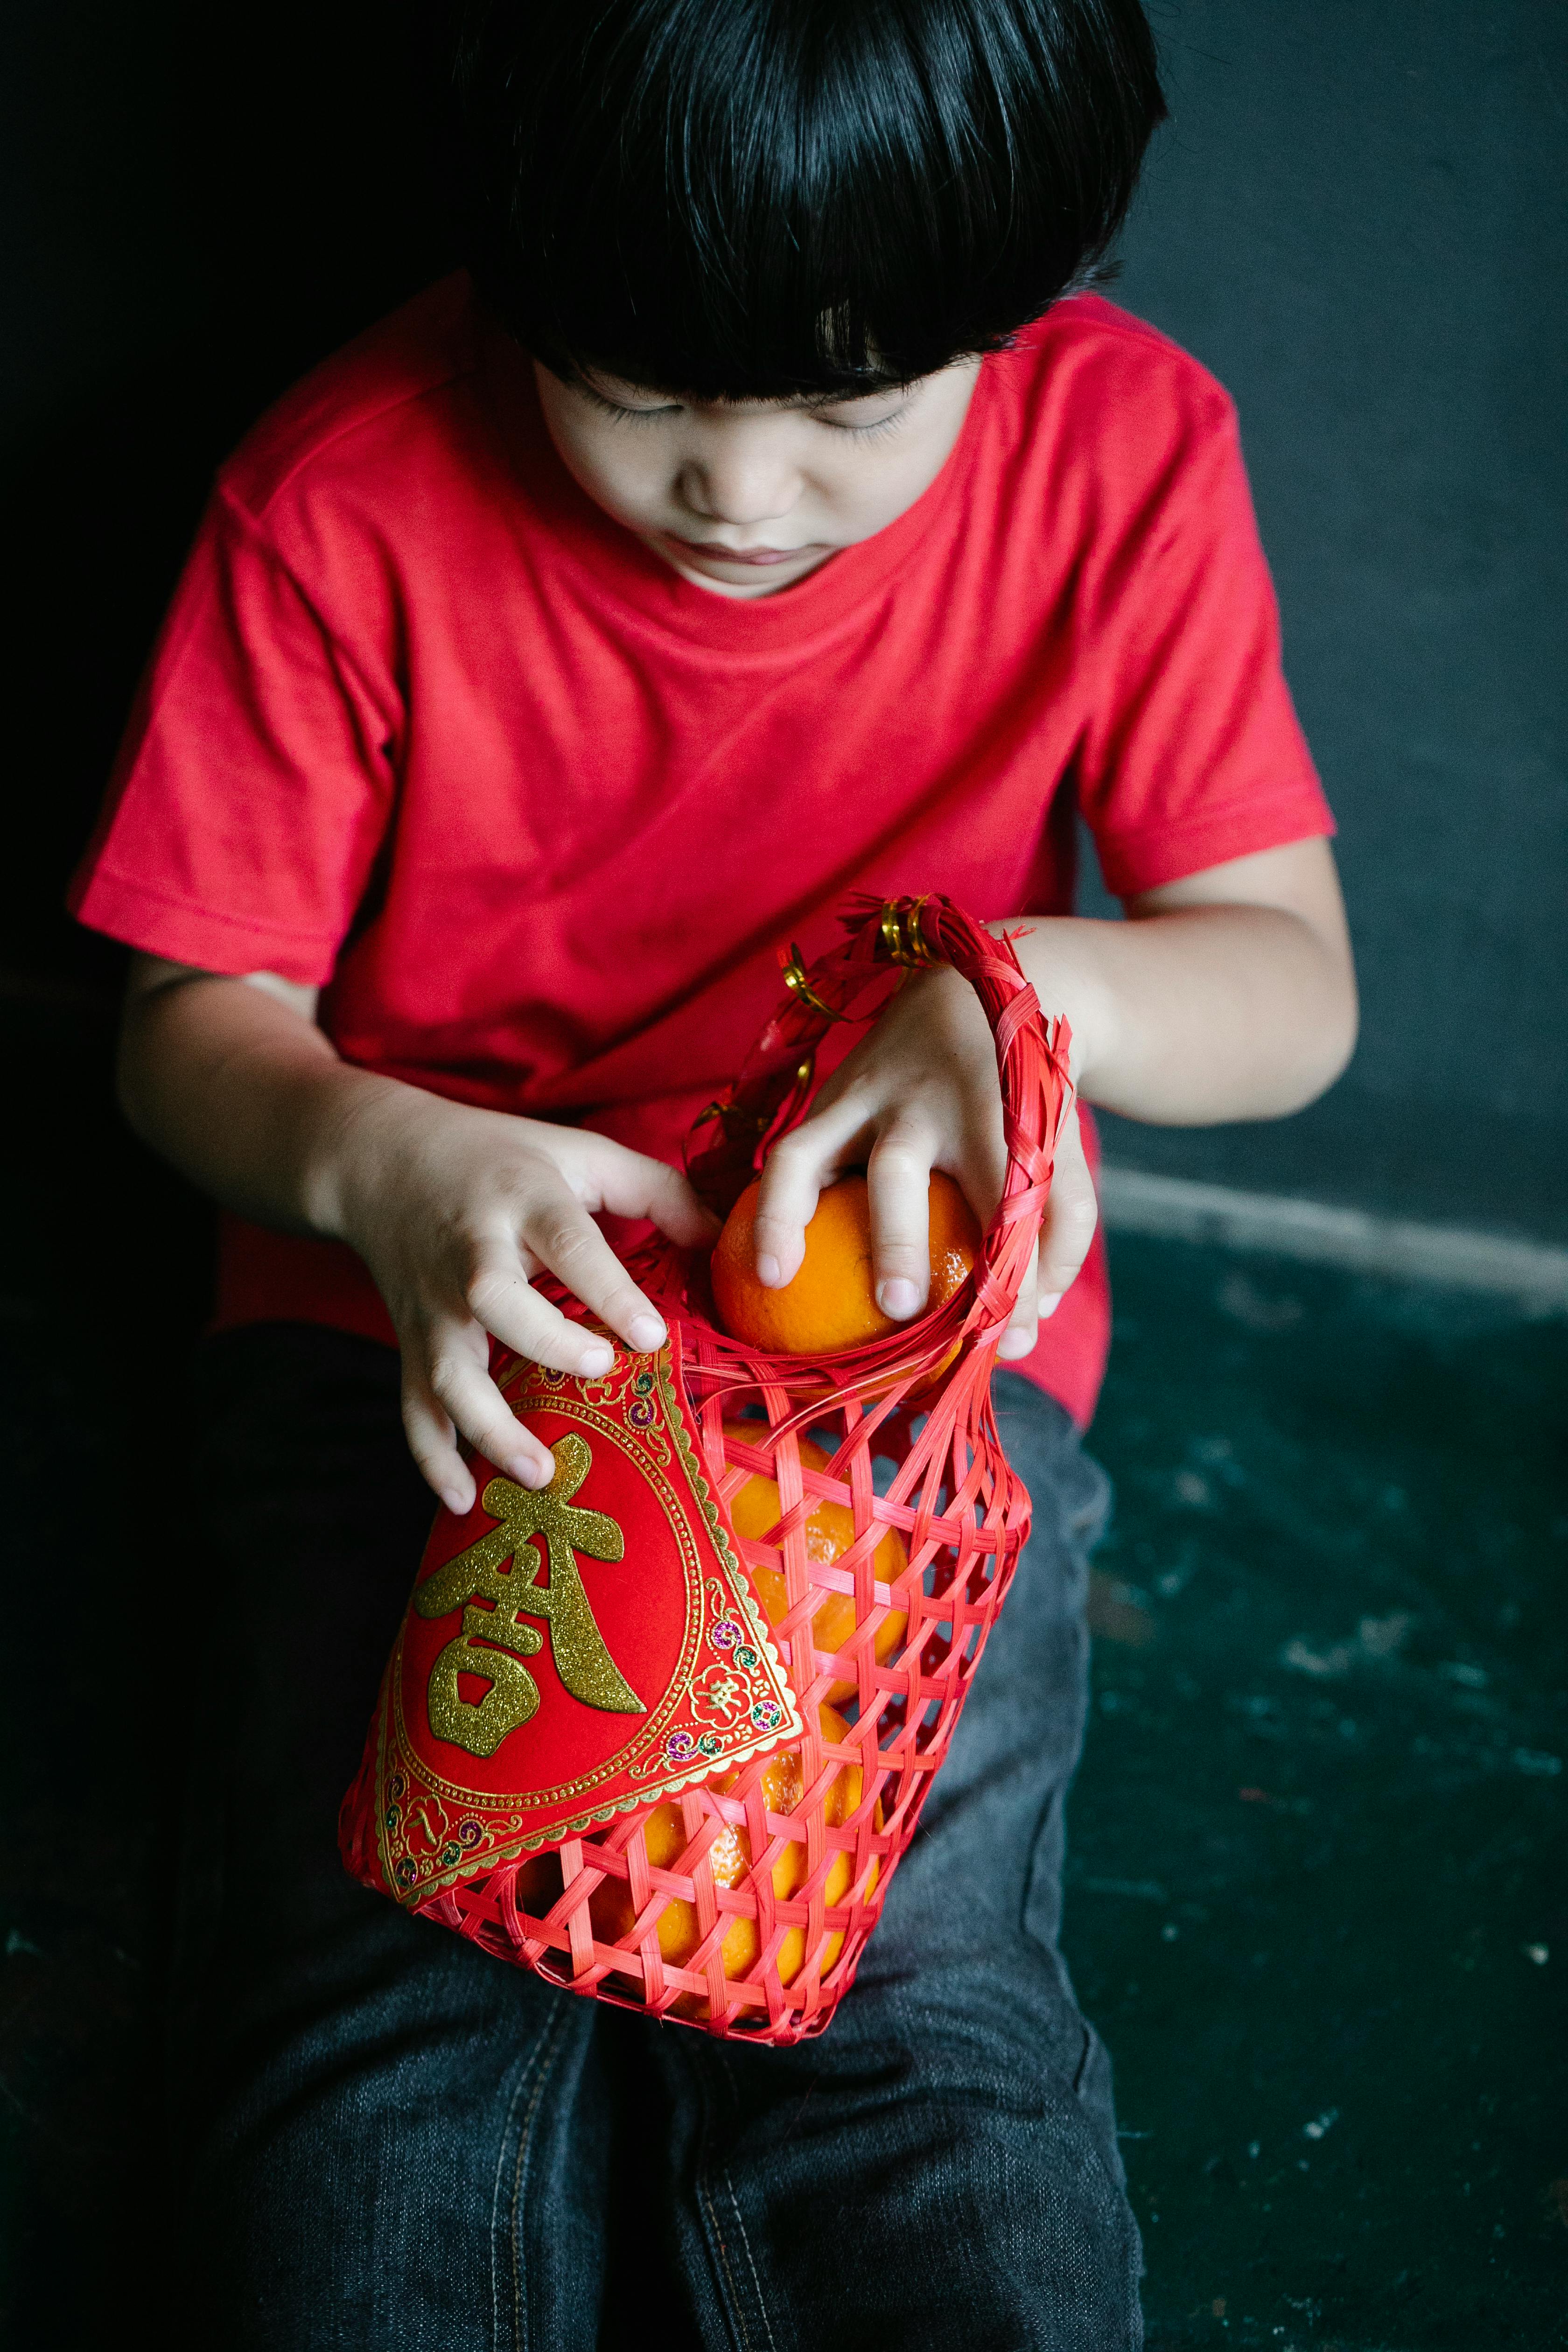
(755, 523)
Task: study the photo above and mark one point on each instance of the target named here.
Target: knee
(981, 2204)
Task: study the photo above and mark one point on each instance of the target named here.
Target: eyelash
(624, 416)
(871, 432)
(613, 408)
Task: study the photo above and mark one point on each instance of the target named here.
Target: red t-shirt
(427, 728)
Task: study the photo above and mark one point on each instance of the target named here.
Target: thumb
(1023, 1325)
(1072, 1212)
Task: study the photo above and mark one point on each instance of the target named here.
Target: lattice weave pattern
(743, 1905)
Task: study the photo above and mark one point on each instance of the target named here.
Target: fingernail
(457, 1504)
(897, 1297)
(768, 1273)
(646, 1333)
(1050, 1302)
(531, 1473)
(1014, 1344)
(595, 1361)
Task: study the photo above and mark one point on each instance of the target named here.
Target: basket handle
(853, 982)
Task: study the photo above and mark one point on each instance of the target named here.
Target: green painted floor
(1317, 1901)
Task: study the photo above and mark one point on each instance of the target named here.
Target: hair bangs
(760, 199)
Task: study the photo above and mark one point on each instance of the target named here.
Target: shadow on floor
(1315, 1902)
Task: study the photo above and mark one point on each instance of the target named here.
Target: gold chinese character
(582, 1661)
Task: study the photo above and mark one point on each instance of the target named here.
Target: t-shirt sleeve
(1193, 754)
(255, 782)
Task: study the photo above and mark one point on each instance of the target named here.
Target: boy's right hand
(455, 1212)
(452, 1209)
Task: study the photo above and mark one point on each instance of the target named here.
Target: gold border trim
(392, 1728)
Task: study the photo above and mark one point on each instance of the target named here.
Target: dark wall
(203, 202)
(1357, 220)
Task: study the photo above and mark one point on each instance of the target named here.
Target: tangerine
(829, 1531)
(610, 1907)
(829, 1303)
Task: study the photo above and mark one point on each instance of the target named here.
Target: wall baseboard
(1530, 1271)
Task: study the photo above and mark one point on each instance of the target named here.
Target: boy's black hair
(744, 199)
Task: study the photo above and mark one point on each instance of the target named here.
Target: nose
(740, 472)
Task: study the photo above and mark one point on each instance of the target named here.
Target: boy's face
(748, 497)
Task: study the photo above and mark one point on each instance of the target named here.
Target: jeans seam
(730, 2293)
(527, 2069)
(540, 2063)
(737, 2314)
(751, 2261)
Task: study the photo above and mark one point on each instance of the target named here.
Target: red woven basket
(723, 1861)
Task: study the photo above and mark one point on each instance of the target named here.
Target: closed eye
(844, 420)
(620, 411)
(873, 432)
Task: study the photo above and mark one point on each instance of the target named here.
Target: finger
(1072, 1212)
(460, 1387)
(897, 1181)
(448, 1391)
(798, 1167)
(433, 1444)
(502, 1299)
(563, 1236)
(630, 1184)
(1024, 1324)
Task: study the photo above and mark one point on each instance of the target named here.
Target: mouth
(761, 557)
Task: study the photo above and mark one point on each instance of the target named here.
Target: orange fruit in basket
(830, 1304)
(610, 1906)
(830, 1531)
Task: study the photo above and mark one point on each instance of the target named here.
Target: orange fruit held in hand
(664, 1834)
(830, 1304)
(830, 1531)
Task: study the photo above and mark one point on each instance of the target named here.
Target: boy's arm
(1228, 995)
(451, 1208)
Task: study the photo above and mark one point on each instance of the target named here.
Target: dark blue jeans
(395, 2144)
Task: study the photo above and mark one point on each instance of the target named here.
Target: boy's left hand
(919, 1092)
